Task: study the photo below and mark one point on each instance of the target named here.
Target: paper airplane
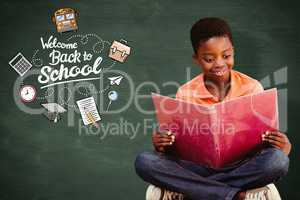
(115, 80)
(53, 111)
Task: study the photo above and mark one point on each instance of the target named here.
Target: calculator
(20, 64)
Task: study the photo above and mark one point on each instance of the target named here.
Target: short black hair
(209, 27)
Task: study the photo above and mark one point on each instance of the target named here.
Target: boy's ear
(195, 59)
(232, 50)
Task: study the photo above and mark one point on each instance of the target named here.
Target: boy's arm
(161, 141)
(278, 140)
(274, 138)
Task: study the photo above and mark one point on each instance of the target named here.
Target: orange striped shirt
(195, 91)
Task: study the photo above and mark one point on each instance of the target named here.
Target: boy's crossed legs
(198, 182)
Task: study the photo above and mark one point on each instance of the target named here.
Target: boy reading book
(250, 178)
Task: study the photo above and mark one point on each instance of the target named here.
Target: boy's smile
(215, 56)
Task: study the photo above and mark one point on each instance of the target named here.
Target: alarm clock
(28, 93)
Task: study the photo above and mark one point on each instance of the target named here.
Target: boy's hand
(162, 140)
(278, 140)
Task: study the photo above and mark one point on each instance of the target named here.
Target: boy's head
(213, 48)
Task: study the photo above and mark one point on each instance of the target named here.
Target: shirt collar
(203, 93)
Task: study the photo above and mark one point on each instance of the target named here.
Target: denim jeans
(198, 182)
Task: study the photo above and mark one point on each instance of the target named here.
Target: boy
(180, 179)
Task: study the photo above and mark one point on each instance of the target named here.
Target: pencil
(92, 119)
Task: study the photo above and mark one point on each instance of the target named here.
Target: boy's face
(215, 56)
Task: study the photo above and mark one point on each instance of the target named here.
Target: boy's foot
(156, 193)
(268, 192)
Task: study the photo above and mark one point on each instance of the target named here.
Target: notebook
(218, 134)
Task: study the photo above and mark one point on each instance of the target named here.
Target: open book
(218, 134)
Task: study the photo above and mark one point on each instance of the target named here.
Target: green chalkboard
(66, 160)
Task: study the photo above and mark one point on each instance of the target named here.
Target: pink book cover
(218, 134)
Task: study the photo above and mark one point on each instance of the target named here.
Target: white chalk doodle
(115, 80)
(63, 64)
(61, 99)
(20, 64)
(85, 39)
(48, 93)
(52, 111)
(38, 62)
(112, 96)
